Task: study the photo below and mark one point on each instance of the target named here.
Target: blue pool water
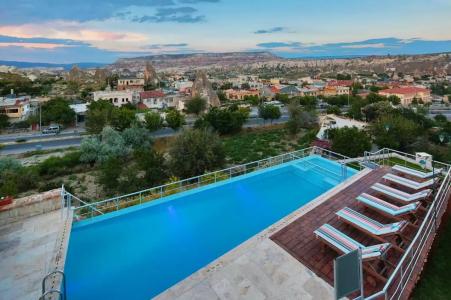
(139, 252)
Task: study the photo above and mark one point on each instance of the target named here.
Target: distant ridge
(24, 65)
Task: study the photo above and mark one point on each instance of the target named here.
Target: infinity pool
(141, 251)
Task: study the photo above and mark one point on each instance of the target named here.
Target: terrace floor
(28, 250)
(298, 238)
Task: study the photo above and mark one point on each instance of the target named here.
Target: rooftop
(405, 90)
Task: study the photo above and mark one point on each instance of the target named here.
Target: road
(68, 139)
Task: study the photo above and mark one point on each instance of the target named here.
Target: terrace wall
(29, 206)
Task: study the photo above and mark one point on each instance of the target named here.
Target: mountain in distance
(36, 65)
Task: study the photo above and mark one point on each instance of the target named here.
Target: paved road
(34, 136)
(69, 140)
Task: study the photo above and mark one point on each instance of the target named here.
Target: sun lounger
(415, 185)
(374, 228)
(368, 224)
(344, 244)
(400, 195)
(387, 208)
(416, 173)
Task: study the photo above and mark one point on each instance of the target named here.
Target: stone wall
(29, 206)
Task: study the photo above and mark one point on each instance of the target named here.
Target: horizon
(104, 31)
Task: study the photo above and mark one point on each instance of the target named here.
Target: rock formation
(150, 75)
(202, 88)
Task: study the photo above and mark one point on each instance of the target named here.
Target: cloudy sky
(61, 31)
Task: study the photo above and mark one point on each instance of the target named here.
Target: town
(211, 149)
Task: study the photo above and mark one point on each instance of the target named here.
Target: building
(337, 88)
(408, 93)
(291, 91)
(117, 98)
(157, 100)
(240, 94)
(130, 83)
(17, 108)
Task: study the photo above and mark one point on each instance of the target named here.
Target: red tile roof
(405, 90)
(340, 83)
(141, 105)
(151, 94)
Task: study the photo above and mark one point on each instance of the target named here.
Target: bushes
(15, 178)
(224, 121)
(58, 166)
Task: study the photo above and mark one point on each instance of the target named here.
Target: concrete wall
(29, 206)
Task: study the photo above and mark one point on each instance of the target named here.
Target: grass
(435, 280)
(256, 144)
(397, 161)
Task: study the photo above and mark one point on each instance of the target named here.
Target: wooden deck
(299, 240)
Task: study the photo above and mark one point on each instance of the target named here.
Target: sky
(60, 31)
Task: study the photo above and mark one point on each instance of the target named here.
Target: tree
(4, 121)
(98, 116)
(269, 111)
(153, 165)
(109, 174)
(153, 121)
(175, 119)
(194, 152)
(196, 105)
(440, 119)
(57, 110)
(333, 110)
(349, 141)
(394, 99)
(294, 124)
(137, 137)
(225, 121)
(122, 118)
(395, 131)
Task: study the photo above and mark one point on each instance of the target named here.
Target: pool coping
(195, 278)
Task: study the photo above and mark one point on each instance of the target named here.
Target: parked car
(52, 129)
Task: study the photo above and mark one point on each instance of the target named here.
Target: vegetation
(196, 105)
(224, 121)
(349, 141)
(194, 152)
(153, 121)
(174, 119)
(269, 112)
(4, 121)
(57, 110)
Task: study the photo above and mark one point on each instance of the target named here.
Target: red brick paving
(298, 238)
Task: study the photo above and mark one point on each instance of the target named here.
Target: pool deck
(29, 249)
(259, 268)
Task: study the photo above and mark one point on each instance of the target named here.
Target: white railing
(395, 286)
(87, 209)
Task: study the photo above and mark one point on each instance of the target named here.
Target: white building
(117, 98)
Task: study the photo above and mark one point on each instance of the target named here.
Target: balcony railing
(87, 209)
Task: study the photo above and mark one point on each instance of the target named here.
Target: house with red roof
(408, 93)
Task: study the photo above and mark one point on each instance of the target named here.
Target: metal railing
(61, 293)
(395, 287)
(87, 209)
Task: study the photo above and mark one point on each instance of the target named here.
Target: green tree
(349, 141)
(269, 112)
(440, 119)
(174, 119)
(194, 152)
(153, 121)
(225, 121)
(394, 99)
(4, 121)
(14, 177)
(98, 116)
(122, 118)
(196, 105)
(153, 166)
(109, 174)
(137, 138)
(294, 123)
(57, 110)
(395, 131)
(333, 110)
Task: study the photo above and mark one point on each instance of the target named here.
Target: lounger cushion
(407, 182)
(387, 207)
(346, 244)
(369, 224)
(400, 195)
(416, 173)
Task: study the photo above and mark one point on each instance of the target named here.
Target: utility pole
(40, 116)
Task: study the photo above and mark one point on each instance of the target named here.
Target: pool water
(141, 251)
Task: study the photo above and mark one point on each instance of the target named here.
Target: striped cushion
(346, 244)
(415, 173)
(403, 196)
(407, 182)
(387, 207)
(369, 224)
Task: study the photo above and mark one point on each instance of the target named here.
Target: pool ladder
(61, 294)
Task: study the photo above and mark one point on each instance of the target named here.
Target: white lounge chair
(416, 173)
(415, 185)
(400, 195)
(387, 208)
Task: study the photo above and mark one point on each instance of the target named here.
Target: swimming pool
(138, 252)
